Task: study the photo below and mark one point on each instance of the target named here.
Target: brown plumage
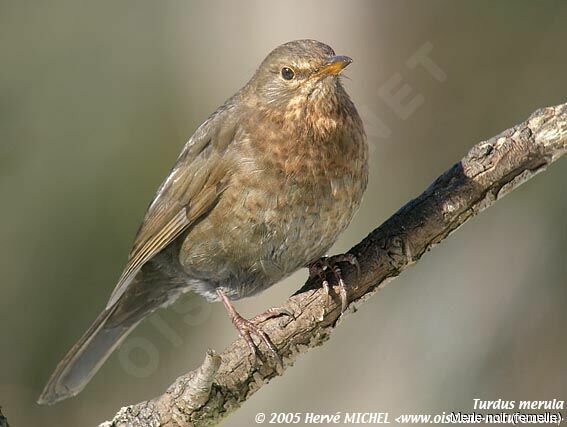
(263, 188)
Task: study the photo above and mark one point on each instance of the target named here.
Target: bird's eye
(287, 73)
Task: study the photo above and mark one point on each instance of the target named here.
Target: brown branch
(3, 420)
(489, 171)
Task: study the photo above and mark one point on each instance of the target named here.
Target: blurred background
(96, 101)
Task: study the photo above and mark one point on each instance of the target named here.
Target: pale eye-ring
(287, 73)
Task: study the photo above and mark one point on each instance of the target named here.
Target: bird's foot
(248, 327)
(320, 267)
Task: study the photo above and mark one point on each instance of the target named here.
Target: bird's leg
(320, 267)
(248, 327)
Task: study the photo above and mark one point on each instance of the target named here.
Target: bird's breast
(299, 190)
(289, 197)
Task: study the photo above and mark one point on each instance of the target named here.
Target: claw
(246, 328)
(319, 268)
(350, 258)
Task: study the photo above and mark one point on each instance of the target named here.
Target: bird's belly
(257, 235)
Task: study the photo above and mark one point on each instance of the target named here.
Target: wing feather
(192, 188)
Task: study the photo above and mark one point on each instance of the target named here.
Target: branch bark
(3, 420)
(490, 170)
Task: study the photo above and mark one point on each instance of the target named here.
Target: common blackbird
(264, 187)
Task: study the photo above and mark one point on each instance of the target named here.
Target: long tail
(151, 288)
(85, 358)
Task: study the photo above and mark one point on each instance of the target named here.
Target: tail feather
(151, 288)
(85, 358)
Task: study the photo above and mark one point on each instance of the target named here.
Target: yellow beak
(334, 66)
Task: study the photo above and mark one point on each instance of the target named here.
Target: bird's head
(297, 72)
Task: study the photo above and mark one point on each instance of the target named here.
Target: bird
(262, 189)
